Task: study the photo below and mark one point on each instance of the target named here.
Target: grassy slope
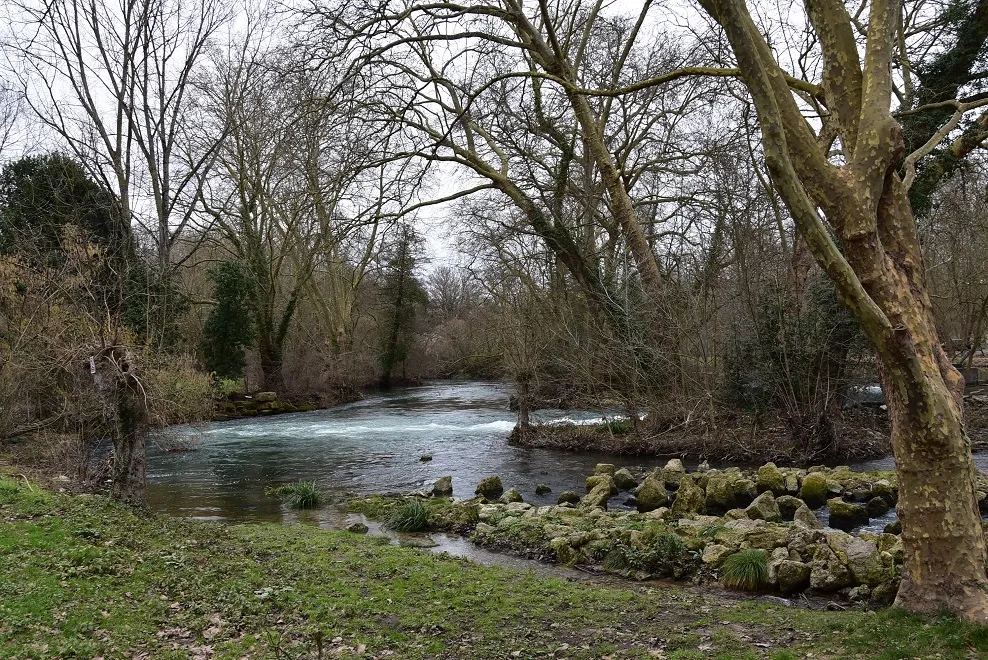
(82, 576)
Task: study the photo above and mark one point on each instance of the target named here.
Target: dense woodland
(721, 219)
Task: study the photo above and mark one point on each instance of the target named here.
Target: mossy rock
(624, 480)
(511, 495)
(542, 489)
(814, 490)
(807, 518)
(443, 487)
(490, 488)
(673, 473)
(690, 499)
(788, 505)
(770, 478)
(568, 497)
(605, 468)
(845, 515)
(720, 492)
(598, 496)
(764, 508)
(651, 494)
(793, 576)
(877, 507)
(745, 492)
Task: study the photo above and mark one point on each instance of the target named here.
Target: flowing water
(375, 446)
(371, 446)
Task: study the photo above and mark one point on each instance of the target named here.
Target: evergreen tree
(229, 328)
(403, 295)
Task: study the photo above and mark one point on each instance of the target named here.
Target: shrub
(409, 516)
(746, 570)
(662, 554)
(300, 495)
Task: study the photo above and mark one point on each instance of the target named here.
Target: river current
(371, 446)
(375, 446)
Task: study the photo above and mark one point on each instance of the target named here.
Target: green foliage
(746, 570)
(229, 328)
(617, 426)
(662, 554)
(40, 195)
(299, 495)
(403, 296)
(410, 515)
(228, 386)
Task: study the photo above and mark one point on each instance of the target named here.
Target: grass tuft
(300, 495)
(746, 570)
(409, 516)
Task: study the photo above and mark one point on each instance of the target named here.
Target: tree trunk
(271, 365)
(123, 400)
(944, 565)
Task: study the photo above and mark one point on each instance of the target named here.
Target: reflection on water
(366, 447)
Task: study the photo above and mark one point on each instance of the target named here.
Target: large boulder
(720, 492)
(814, 490)
(745, 492)
(788, 505)
(568, 497)
(770, 478)
(624, 480)
(764, 508)
(846, 516)
(673, 472)
(266, 397)
(542, 489)
(827, 573)
(690, 499)
(793, 576)
(864, 562)
(807, 518)
(443, 487)
(490, 488)
(651, 494)
(877, 507)
(597, 498)
(605, 468)
(511, 495)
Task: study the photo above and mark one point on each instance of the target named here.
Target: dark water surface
(371, 446)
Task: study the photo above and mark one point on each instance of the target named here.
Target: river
(371, 446)
(375, 446)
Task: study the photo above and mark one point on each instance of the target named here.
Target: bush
(300, 495)
(409, 516)
(746, 570)
(178, 392)
(662, 554)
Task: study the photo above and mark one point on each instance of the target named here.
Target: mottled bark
(880, 276)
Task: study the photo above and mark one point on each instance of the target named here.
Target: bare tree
(879, 272)
(113, 81)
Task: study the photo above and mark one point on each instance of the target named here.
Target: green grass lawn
(85, 577)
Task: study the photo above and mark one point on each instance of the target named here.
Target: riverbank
(735, 437)
(83, 576)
